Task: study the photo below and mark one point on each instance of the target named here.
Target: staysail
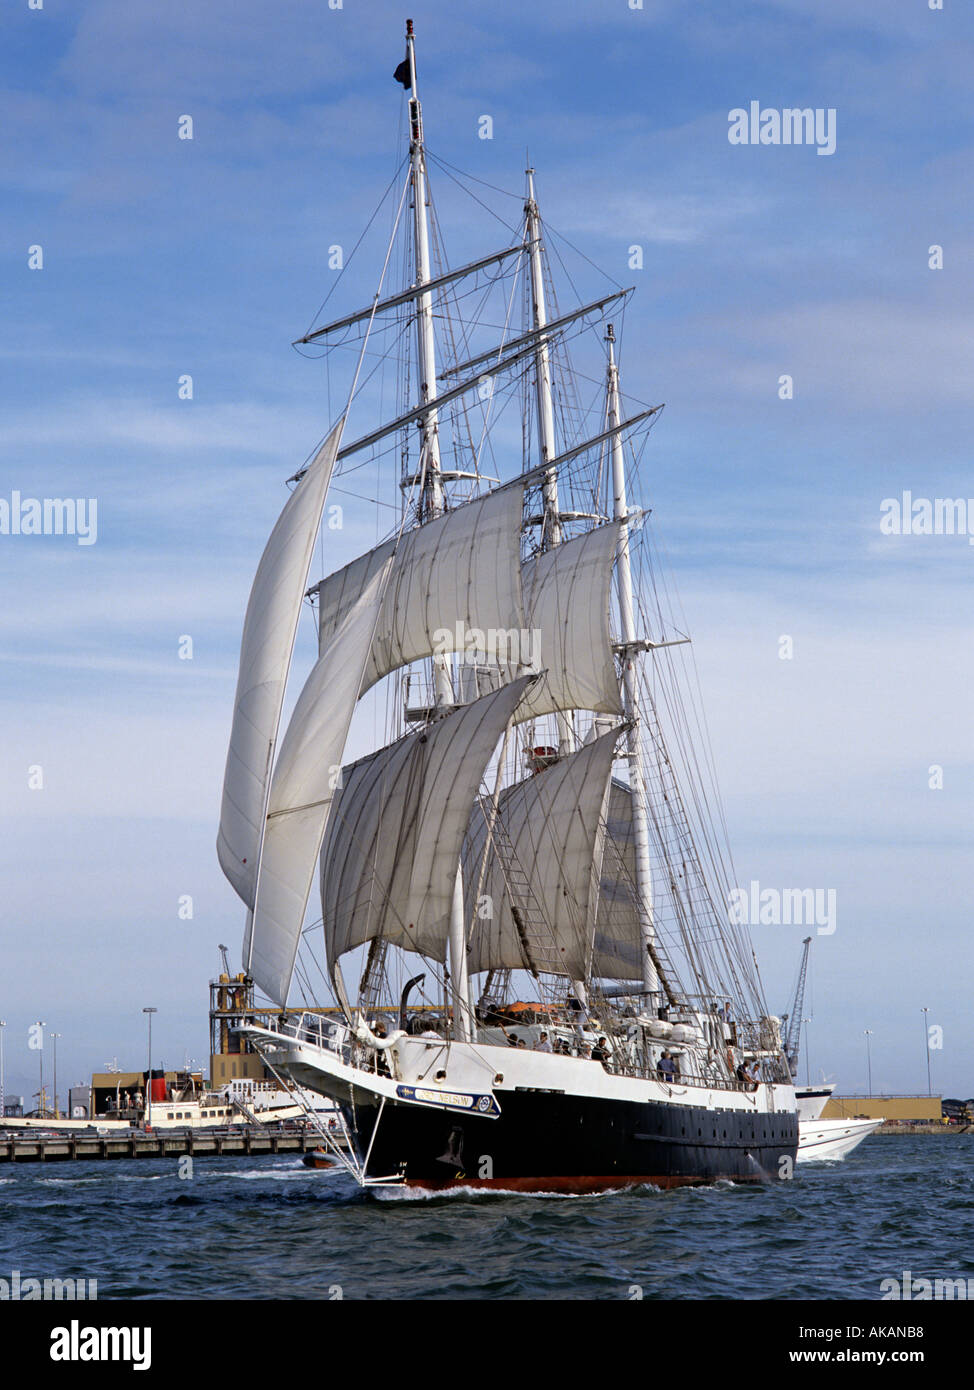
(456, 577)
(302, 791)
(265, 656)
(542, 909)
(390, 856)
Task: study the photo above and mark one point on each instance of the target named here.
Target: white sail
(389, 861)
(545, 862)
(618, 945)
(265, 656)
(568, 635)
(567, 601)
(456, 577)
(302, 791)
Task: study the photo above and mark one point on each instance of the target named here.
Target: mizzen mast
(630, 684)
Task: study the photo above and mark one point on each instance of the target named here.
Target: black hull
(544, 1142)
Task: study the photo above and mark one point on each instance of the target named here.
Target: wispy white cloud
(88, 421)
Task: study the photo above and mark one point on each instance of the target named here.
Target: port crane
(793, 1018)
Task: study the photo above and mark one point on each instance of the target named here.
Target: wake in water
(423, 1194)
(102, 1178)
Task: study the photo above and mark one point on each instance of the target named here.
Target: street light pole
(147, 1112)
(926, 1046)
(3, 1102)
(869, 1061)
(55, 1036)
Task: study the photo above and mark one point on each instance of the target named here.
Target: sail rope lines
(348, 259)
(478, 449)
(721, 932)
(684, 715)
(731, 948)
(345, 1155)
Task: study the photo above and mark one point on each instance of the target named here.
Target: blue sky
(208, 257)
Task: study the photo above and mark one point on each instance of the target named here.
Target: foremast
(431, 489)
(430, 470)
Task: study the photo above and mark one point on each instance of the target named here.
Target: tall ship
(524, 975)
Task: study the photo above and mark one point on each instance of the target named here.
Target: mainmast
(432, 503)
(551, 518)
(630, 680)
(542, 358)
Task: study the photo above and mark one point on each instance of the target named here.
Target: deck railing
(694, 1068)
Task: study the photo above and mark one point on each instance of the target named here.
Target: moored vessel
(818, 1138)
(831, 1139)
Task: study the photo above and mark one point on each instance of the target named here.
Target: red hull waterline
(570, 1186)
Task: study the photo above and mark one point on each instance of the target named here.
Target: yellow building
(226, 1067)
(900, 1108)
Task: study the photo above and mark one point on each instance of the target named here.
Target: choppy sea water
(271, 1228)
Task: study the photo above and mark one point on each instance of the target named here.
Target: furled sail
(618, 948)
(537, 905)
(265, 655)
(455, 579)
(567, 604)
(390, 856)
(302, 791)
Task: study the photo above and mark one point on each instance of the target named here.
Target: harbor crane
(793, 1018)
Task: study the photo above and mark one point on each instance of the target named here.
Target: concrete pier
(66, 1147)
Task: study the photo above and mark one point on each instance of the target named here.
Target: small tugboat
(317, 1158)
